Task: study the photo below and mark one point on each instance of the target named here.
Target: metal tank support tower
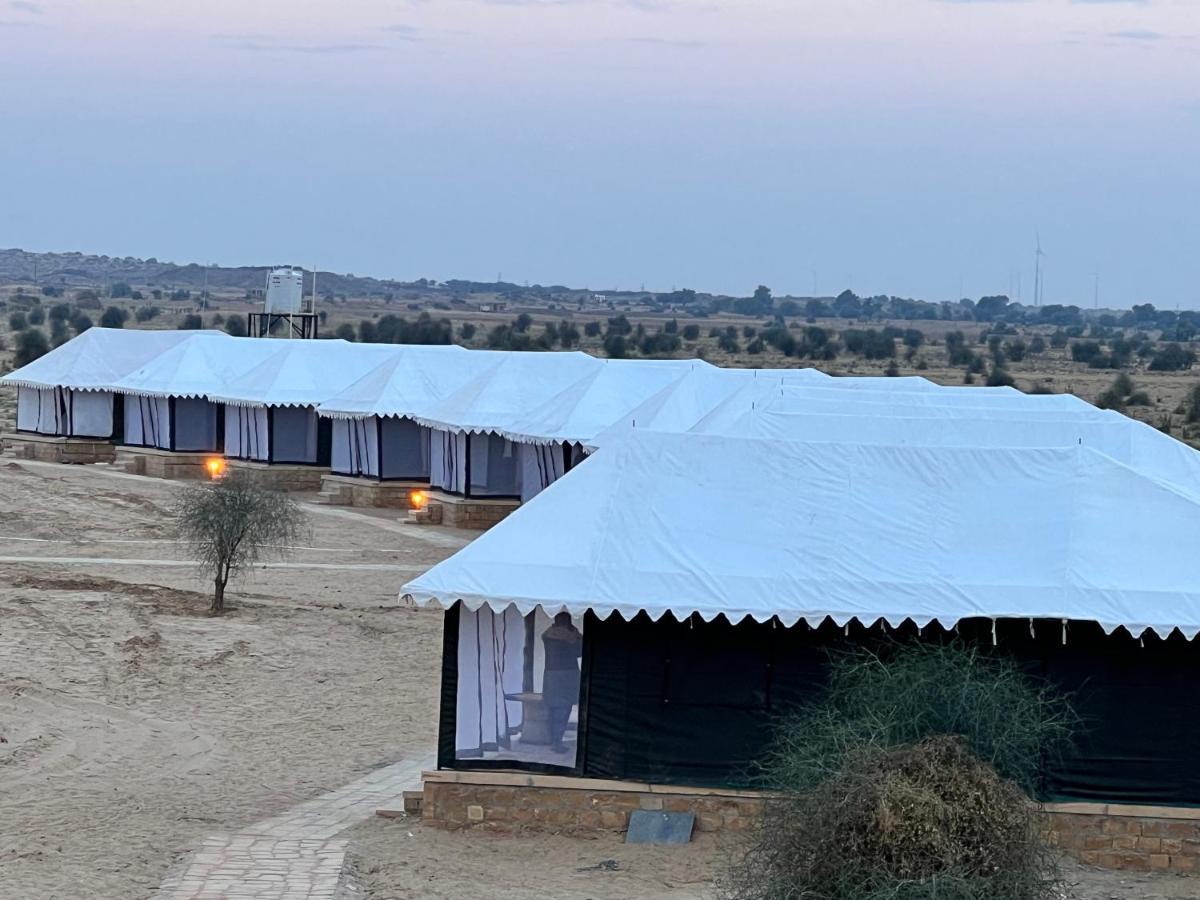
(284, 307)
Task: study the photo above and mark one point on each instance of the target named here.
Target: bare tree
(229, 524)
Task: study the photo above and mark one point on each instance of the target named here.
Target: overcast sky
(911, 147)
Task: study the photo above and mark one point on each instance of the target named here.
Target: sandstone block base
(505, 801)
(50, 448)
(1113, 836)
(280, 476)
(1118, 836)
(475, 513)
(164, 463)
(346, 490)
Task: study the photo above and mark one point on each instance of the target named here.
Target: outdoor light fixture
(215, 467)
(417, 499)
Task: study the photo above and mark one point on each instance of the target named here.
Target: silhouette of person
(560, 683)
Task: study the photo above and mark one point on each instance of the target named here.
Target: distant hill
(78, 270)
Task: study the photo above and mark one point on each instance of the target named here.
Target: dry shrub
(904, 782)
(927, 821)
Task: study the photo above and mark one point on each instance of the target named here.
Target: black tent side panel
(694, 703)
(447, 718)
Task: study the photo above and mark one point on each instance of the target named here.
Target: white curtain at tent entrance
(355, 448)
(148, 422)
(448, 461)
(62, 411)
(195, 425)
(246, 432)
(503, 710)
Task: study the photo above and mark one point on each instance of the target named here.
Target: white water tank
(285, 290)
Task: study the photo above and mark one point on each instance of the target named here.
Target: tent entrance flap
(246, 433)
(518, 685)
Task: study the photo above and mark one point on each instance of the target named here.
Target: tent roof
(503, 393)
(1124, 439)
(585, 408)
(413, 380)
(99, 357)
(662, 523)
(681, 404)
(303, 373)
(196, 367)
(873, 395)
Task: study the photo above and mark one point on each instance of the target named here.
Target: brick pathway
(296, 854)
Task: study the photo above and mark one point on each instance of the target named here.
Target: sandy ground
(395, 859)
(134, 725)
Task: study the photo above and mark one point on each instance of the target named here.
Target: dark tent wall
(693, 703)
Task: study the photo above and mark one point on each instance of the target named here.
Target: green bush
(30, 344)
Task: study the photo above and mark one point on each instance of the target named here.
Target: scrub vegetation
(232, 523)
(908, 779)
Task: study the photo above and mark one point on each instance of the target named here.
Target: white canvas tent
(68, 391)
(374, 434)
(550, 438)
(270, 410)
(468, 453)
(840, 531)
(166, 401)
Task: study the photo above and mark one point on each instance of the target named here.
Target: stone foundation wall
(510, 807)
(281, 477)
(342, 490)
(476, 514)
(1109, 836)
(163, 463)
(58, 449)
(1167, 840)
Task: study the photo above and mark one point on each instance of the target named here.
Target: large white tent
(374, 434)
(166, 401)
(736, 527)
(270, 410)
(468, 454)
(69, 391)
(550, 437)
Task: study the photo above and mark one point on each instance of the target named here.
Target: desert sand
(135, 725)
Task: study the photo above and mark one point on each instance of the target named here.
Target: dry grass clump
(905, 783)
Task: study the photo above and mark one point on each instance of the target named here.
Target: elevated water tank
(285, 291)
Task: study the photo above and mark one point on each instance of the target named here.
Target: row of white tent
(489, 423)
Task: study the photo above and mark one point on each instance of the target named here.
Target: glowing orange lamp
(417, 499)
(215, 467)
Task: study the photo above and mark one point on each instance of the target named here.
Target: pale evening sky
(912, 147)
